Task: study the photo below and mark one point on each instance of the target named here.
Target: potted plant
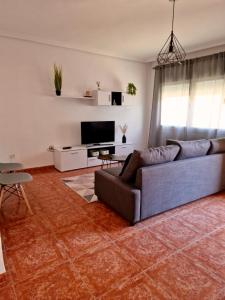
(124, 130)
(131, 89)
(58, 79)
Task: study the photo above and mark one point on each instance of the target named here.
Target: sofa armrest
(123, 198)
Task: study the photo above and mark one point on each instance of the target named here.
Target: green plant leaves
(58, 77)
(131, 89)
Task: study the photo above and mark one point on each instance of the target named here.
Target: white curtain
(189, 100)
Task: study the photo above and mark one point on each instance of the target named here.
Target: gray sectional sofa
(161, 181)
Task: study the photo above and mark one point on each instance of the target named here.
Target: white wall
(31, 118)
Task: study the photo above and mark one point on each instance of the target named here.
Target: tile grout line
(181, 250)
(129, 234)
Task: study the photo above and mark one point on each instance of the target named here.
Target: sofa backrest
(190, 149)
(151, 156)
(168, 185)
(217, 146)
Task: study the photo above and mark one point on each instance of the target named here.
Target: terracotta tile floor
(70, 249)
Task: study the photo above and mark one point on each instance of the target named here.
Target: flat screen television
(97, 132)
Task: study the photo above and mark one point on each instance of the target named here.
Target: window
(174, 109)
(202, 106)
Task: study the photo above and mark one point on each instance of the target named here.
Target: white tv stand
(79, 157)
(92, 146)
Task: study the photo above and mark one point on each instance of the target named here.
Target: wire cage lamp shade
(172, 51)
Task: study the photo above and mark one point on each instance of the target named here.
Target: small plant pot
(124, 139)
(58, 93)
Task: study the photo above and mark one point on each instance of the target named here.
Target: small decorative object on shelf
(98, 85)
(131, 89)
(87, 94)
(124, 130)
(94, 153)
(104, 152)
(58, 79)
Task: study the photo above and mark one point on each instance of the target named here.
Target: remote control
(66, 148)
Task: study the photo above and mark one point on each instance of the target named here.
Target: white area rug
(83, 185)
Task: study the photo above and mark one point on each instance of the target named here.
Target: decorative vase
(58, 93)
(98, 85)
(124, 139)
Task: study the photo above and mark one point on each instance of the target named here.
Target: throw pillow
(217, 146)
(129, 173)
(148, 157)
(159, 155)
(190, 149)
(125, 164)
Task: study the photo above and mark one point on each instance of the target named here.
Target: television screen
(97, 132)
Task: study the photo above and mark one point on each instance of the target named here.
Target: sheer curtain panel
(189, 100)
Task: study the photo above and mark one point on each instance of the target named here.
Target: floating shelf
(75, 97)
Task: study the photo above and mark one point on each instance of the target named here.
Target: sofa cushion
(125, 164)
(159, 155)
(115, 171)
(134, 163)
(151, 156)
(190, 149)
(217, 146)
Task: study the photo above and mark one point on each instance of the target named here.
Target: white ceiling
(133, 29)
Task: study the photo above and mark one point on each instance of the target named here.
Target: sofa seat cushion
(190, 149)
(113, 171)
(217, 146)
(151, 156)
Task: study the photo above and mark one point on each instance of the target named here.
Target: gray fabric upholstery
(217, 146)
(159, 188)
(113, 171)
(158, 155)
(14, 178)
(125, 164)
(190, 149)
(134, 163)
(148, 157)
(123, 198)
(170, 185)
(8, 167)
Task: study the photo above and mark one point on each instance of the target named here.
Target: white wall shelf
(113, 98)
(104, 98)
(74, 97)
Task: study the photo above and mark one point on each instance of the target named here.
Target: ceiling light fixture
(172, 51)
